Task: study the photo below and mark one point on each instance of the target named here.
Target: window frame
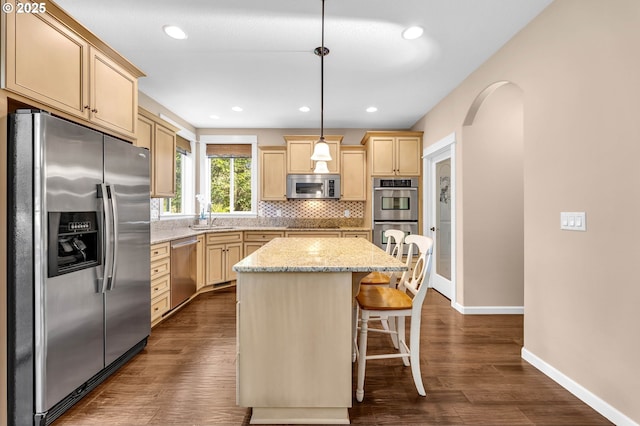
(205, 171)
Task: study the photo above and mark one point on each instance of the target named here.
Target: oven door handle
(394, 189)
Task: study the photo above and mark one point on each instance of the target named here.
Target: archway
(493, 199)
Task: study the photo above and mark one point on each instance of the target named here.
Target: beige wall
(579, 70)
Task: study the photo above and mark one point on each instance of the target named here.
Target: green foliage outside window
(230, 184)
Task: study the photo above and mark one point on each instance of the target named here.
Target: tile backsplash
(311, 209)
(312, 213)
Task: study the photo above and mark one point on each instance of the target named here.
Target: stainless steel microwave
(313, 186)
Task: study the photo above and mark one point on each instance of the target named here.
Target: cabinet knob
(86, 107)
(95, 111)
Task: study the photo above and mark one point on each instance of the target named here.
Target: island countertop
(319, 255)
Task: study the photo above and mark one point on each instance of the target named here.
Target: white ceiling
(258, 54)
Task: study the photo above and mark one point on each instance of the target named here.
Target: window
(232, 178)
(183, 202)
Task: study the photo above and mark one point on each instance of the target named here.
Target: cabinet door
(334, 150)
(273, 175)
(299, 157)
(382, 156)
(47, 62)
(408, 156)
(144, 133)
(200, 262)
(114, 95)
(215, 267)
(164, 159)
(353, 175)
(233, 255)
(251, 247)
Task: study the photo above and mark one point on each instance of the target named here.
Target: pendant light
(321, 153)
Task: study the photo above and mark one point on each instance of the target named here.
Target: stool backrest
(395, 242)
(414, 281)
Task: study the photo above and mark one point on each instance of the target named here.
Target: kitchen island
(294, 327)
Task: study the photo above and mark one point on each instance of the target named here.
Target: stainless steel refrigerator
(78, 261)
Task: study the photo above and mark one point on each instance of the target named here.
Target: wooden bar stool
(394, 247)
(396, 303)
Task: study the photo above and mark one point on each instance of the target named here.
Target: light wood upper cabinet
(273, 174)
(51, 59)
(160, 137)
(164, 161)
(394, 153)
(144, 132)
(47, 62)
(353, 176)
(300, 149)
(114, 95)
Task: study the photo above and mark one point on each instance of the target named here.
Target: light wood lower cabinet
(223, 251)
(200, 262)
(253, 240)
(357, 234)
(160, 281)
(314, 234)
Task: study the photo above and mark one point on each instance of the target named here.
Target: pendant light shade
(321, 152)
(321, 167)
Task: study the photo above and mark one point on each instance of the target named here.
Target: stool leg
(402, 339)
(415, 354)
(354, 332)
(362, 358)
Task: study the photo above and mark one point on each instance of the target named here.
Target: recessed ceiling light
(304, 109)
(372, 109)
(236, 109)
(174, 32)
(412, 33)
(215, 117)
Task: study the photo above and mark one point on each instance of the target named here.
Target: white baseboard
(579, 391)
(488, 310)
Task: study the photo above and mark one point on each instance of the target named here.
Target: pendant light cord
(322, 53)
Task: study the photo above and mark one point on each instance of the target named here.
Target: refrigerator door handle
(103, 283)
(114, 229)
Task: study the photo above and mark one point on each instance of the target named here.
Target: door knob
(433, 228)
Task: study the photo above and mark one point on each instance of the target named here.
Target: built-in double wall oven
(395, 206)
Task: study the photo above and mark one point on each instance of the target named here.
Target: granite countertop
(165, 235)
(319, 255)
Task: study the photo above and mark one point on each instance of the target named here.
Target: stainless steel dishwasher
(183, 269)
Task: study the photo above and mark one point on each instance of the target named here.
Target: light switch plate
(573, 221)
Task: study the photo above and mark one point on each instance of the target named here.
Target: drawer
(160, 306)
(263, 236)
(314, 234)
(224, 237)
(160, 267)
(356, 234)
(160, 285)
(158, 251)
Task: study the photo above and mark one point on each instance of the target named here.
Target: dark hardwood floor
(471, 367)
